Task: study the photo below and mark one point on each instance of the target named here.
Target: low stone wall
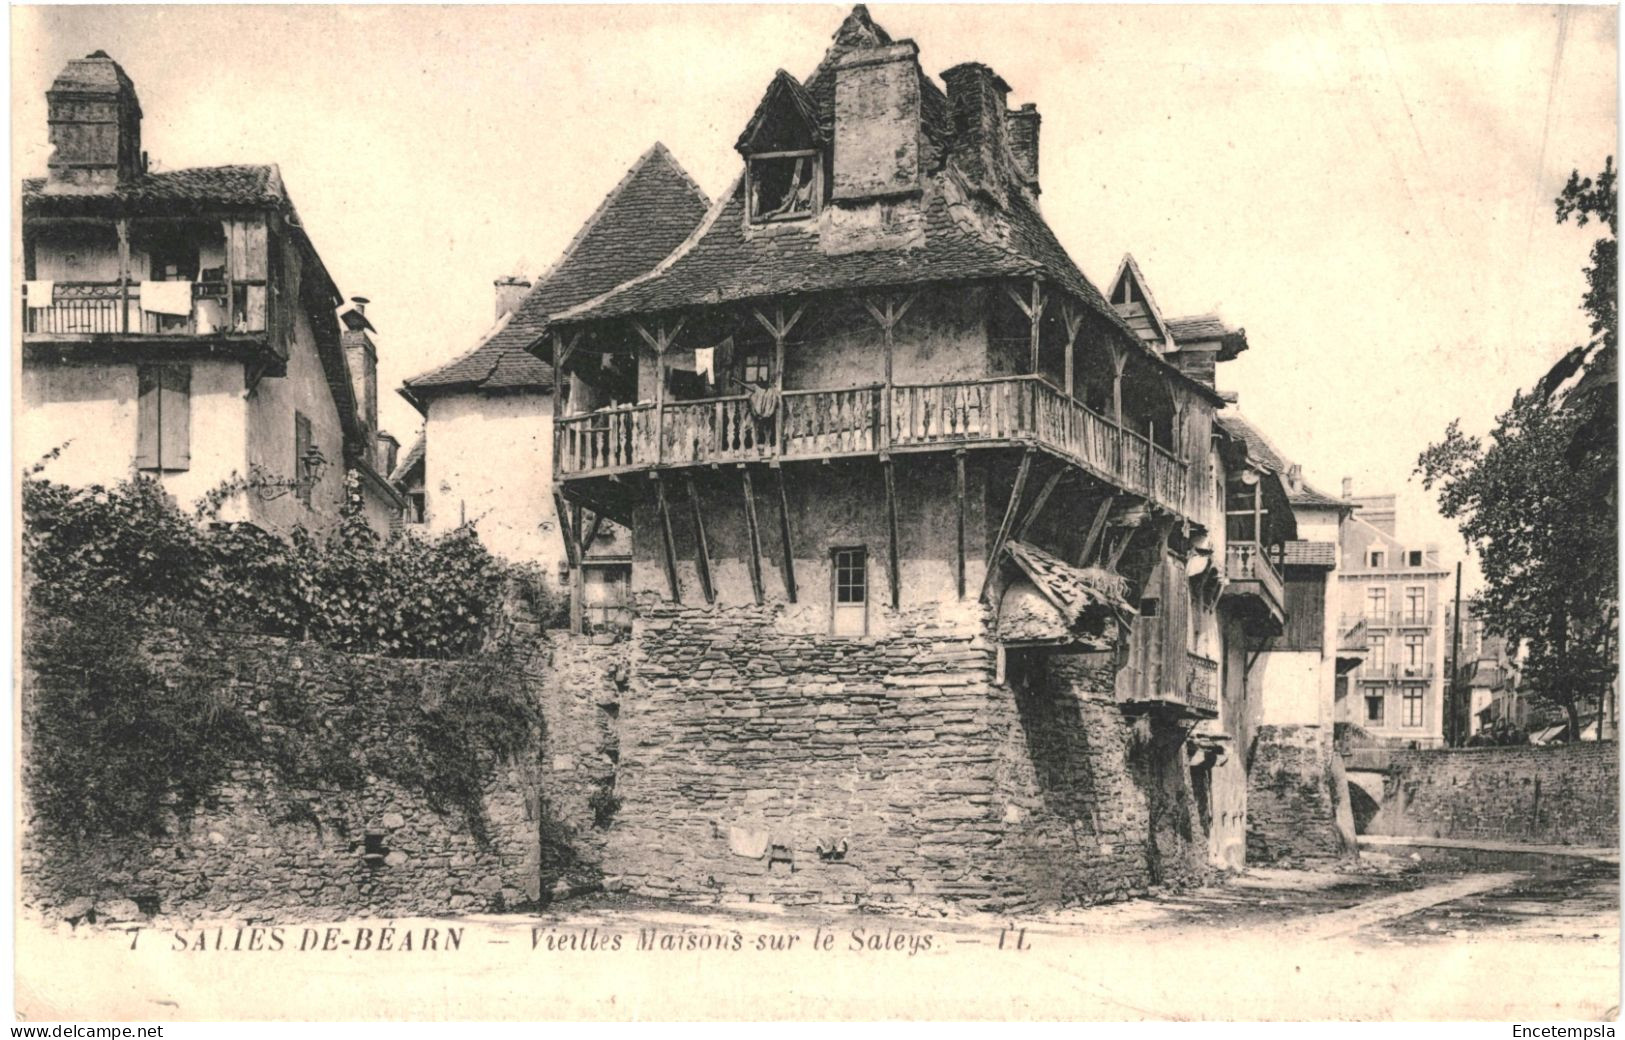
(1297, 797)
(1566, 794)
(260, 849)
(765, 764)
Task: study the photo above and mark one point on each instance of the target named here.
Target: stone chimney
(1348, 487)
(1294, 478)
(1024, 143)
(981, 145)
(362, 359)
(511, 292)
(387, 451)
(95, 127)
(877, 122)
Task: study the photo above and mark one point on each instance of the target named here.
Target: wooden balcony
(1252, 580)
(93, 310)
(821, 424)
(1188, 688)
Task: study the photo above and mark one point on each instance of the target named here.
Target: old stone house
(485, 454)
(928, 534)
(181, 325)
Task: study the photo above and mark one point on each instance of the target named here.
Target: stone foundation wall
(761, 763)
(261, 849)
(1564, 794)
(1297, 797)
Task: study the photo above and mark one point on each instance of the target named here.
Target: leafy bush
(404, 596)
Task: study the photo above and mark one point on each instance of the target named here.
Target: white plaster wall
(93, 410)
(489, 458)
(271, 437)
(1289, 685)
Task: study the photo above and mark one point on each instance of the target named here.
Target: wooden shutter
(146, 436)
(301, 448)
(163, 440)
(175, 416)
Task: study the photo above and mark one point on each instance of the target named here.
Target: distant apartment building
(1399, 592)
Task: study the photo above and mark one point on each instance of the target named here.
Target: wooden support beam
(779, 328)
(702, 550)
(660, 341)
(578, 576)
(562, 508)
(1074, 322)
(959, 498)
(667, 542)
(1119, 361)
(1095, 530)
(592, 534)
(1039, 502)
(784, 538)
(755, 536)
(997, 549)
(1034, 310)
(1119, 548)
(892, 565)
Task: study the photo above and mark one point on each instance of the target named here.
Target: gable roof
(652, 209)
(784, 92)
(1129, 269)
(962, 237)
(230, 187)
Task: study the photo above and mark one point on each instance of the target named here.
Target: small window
(1414, 558)
(1412, 708)
(756, 369)
(416, 507)
(1373, 709)
(851, 601)
(163, 418)
(1376, 558)
(784, 187)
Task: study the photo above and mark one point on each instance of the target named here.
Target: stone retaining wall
(1297, 797)
(765, 764)
(260, 849)
(1566, 794)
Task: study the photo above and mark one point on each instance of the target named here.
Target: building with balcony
(181, 326)
(1400, 592)
(927, 539)
(486, 451)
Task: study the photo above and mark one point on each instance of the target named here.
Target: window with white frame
(1413, 650)
(1376, 558)
(1416, 600)
(1377, 651)
(1376, 605)
(1373, 708)
(1411, 707)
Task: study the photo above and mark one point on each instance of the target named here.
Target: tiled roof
(1306, 494)
(1300, 553)
(1197, 327)
(1265, 454)
(233, 187)
(413, 457)
(644, 218)
(1073, 590)
(964, 238)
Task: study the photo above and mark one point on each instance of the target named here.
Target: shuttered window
(163, 418)
(303, 466)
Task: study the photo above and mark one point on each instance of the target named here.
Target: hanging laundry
(167, 297)
(40, 295)
(705, 362)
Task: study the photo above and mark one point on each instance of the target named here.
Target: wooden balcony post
(779, 328)
(894, 309)
(1034, 310)
(959, 498)
(660, 342)
(123, 227)
(754, 533)
(784, 536)
(666, 540)
(1074, 322)
(1010, 510)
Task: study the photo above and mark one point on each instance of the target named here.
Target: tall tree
(1537, 500)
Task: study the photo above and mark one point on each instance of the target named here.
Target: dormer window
(784, 186)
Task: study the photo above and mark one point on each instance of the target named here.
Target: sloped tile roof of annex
(1265, 453)
(232, 187)
(722, 263)
(647, 215)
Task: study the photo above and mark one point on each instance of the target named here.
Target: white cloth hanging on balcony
(39, 295)
(167, 297)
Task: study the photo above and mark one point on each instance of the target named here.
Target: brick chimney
(362, 359)
(1348, 487)
(1024, 143)
(510, 294)
(95, 127)
(981, 145)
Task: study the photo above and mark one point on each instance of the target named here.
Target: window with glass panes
(1376, 605)
(1416, 598)
(1377, 648)
(1413, 651)
(1373, 707)
(851, 591)
(1411, 706)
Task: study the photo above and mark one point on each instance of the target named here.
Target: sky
(1366, 190)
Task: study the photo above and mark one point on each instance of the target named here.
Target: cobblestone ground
(1396, 939)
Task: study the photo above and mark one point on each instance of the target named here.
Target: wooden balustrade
(827, 423)
(108, 308)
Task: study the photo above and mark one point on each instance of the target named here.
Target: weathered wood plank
(667, 541)
(959, 496)
(1009, 520)
(702, 550)
(892, 565)
(755, 536)
(784, 538)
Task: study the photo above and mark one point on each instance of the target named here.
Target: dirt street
(1399, 939)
